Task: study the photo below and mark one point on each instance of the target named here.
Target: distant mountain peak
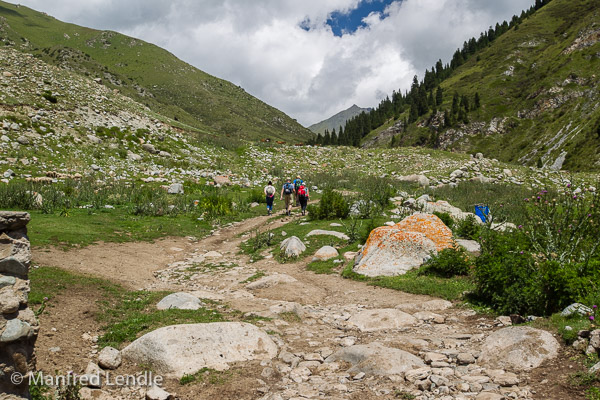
(338, 119)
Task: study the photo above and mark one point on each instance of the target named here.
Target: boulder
(394, 250)
(179, 301)
(292, 247)
(422, 180)
(431, 305)
(471, 246)
(109, 358)
(326, 253)
(149, 148)
(175, 188)
(337, 234)
(576, 308)
(376, 359)
(158, 393)
(221, 180)
(178, 350)
(519, 348)
(381, 319)
(442, 206)
(270, 280)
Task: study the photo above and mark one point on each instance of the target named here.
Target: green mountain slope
(539, 94)
(337, 120)
(148, 74)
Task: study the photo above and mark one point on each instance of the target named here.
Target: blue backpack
(288, 188)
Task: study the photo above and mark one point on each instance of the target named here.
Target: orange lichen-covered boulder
(395, 250)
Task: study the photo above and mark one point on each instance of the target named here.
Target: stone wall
(18, 324)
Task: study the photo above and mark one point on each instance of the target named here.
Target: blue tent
(482, 211)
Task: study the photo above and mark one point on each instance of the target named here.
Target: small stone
(109, 358)
(157, 393)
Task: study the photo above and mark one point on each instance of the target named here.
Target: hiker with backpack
(270, 193)
(297, 183)
(288, 192)
(303, 197)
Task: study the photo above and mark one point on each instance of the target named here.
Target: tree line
(424, 96)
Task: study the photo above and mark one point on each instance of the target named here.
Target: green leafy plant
(448, 263)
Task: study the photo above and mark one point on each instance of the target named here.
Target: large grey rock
(13, 220)
(431, 305)
(179, 301)
(15, 330)
(443, 206)
(94, 139)
(221, 180)
(576, 308)
(292, 247)
(9, 301)
(12, 266)
(185, 349)
(157, 393)
(149, 148)
(7, 281)
(270, 280)
(422, 180)
(336, 234)
(325, 253)
(380, 319)
(471, 246)
(518, 348)
(109, 358)
(175, 188)
(376, 359)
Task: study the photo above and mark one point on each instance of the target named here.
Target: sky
(308, 58)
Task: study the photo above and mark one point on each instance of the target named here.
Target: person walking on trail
(297, 182)
(303, 197)
(288, 192)
(270, 193)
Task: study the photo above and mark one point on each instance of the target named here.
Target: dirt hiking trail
(309, 316)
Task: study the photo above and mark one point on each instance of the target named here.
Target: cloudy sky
(309, 58)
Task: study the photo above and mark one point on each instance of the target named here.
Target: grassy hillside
(148, 74)
(337, 120)
(538, 86)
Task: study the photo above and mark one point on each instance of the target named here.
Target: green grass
(445, 288)
(82, 229)
(124, 315)
(256, 276)
(558, 323)
(208, 375)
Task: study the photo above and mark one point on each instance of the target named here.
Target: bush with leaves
(445, 217)
(448, 263)
(468, 228)
(332, 206)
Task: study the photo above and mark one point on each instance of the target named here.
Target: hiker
(288, 191)
(297, 182)
(270, 193)
(303, 197)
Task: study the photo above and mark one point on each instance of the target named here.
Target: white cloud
(310, 75)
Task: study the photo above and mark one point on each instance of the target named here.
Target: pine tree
(477, 101)
(455, 104)
(447, 120)
(439, 96)
(414, 113)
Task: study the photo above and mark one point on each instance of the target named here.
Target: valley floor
(307, 316)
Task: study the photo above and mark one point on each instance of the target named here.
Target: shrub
(332, 205)
(468, 228)
(564, 227)
(446, 218)
(50, 97)
(448, 263)
(257, 196)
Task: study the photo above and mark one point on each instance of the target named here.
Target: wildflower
(521, 252)
(520, 227)
(592, 318)
(45, 299)
(594, 306)
(575, 197)
(569, 185)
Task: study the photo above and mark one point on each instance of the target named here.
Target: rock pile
(18, 324)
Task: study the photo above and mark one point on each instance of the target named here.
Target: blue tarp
(482, 212)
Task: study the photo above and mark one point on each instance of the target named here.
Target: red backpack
(302, 191)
